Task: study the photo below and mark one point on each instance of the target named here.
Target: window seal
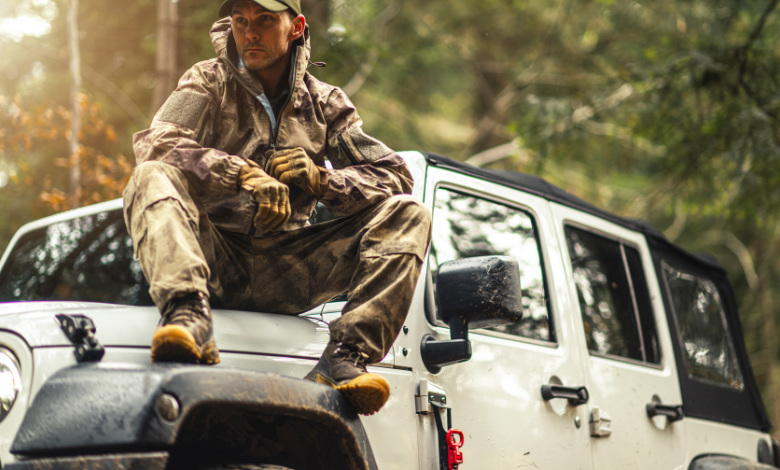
(622, 242)
(628, 360)
(642, 347)
(551, 310)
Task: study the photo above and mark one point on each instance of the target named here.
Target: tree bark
(75, 100)
(769, 342)
(167, 22)
(317, 13)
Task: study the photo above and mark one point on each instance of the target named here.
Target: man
(228, 175)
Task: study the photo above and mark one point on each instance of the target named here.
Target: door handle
(576, 395)
(672, 412)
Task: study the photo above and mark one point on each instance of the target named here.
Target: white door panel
(623, 387)
(496, 396)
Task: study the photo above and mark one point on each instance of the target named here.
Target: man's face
(262, 37)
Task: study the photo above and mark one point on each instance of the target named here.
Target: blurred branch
(508, 94)
(365, 69)
(621, 133)
(759, 27)
(677, 227)
(768, 257)
(500, 152)
(104, 84)
(730, 241)
(500, 105)
(581, 117)
(742, 55)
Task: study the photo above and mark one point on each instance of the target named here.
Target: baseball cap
(273, 5)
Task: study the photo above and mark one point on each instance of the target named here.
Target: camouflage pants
(374, 255)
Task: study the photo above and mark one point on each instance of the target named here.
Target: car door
(495, 397)
(625, 342)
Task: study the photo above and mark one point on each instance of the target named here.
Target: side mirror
(472, 293)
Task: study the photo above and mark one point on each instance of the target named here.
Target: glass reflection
(465, 226)
(707, 348)
(604, 295)
(89, 258)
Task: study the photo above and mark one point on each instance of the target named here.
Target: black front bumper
(175, 417)
(150, 461)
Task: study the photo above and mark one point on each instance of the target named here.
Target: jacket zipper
(287, 101)
(344, 148)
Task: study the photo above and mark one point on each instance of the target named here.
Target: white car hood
(128, 326)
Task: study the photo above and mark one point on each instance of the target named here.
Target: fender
(183, 416)
(725, 462)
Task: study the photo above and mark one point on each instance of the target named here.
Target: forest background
(666, 110)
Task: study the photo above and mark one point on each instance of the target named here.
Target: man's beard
(272, 58)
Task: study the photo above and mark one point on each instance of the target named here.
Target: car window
(321, 214)
(613, 297)
(701, 323)
(466, 226)
(89, 259)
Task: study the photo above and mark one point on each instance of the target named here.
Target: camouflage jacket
(219, 117)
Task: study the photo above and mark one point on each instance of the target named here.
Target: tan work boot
(344, 368)
(186, 333)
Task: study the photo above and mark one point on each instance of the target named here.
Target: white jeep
(552, 334)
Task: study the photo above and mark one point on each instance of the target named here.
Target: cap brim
(227, 8)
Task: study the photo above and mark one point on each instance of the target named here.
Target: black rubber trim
(113, 408)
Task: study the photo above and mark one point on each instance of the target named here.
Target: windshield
(87, 259)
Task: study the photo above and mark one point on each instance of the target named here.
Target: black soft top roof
(700, 399)
(538, 186)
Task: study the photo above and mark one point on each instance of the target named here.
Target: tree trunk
(75, 100)
(317, 13)
(769, 342)
(167, 22)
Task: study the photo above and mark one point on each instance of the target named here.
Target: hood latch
(80, 330)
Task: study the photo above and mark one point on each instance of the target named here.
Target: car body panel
(496, 395)
(620, 388)
(708, 437)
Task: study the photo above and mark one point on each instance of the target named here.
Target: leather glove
(293, 166)
(272, 197)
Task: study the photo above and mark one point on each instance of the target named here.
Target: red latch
(454, 456)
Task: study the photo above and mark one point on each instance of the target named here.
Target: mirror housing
(472, 293)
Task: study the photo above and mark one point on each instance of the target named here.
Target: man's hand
(293, 166)
(272, 197)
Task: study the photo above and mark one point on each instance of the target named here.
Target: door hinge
(429, 395)
(600, 423)
(80, 330)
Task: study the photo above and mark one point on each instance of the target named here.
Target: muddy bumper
(109, 416)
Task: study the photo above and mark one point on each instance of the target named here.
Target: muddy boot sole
(368, 393)
(173, 343)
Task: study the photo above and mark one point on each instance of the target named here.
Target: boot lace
(351, 354)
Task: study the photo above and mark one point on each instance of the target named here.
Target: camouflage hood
(222, 39)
